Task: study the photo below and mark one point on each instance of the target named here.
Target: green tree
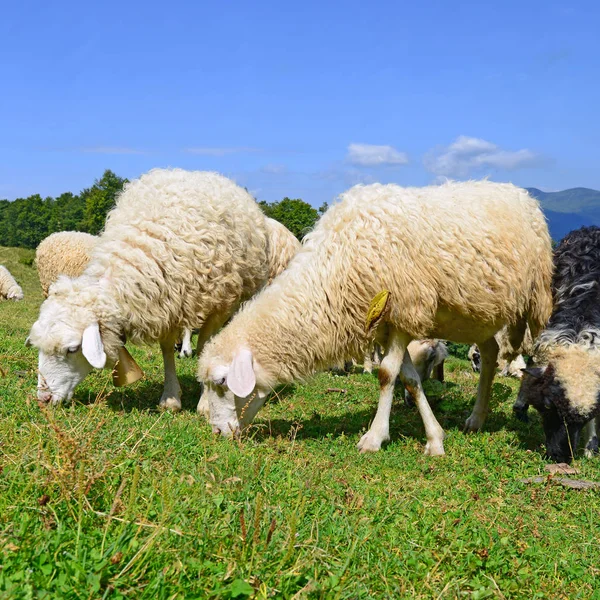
(298, 216)
(99, 199)
(67, 213)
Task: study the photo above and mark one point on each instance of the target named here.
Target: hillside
(569, 209)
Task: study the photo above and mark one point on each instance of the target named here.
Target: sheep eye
(72, 349)
(220, 381)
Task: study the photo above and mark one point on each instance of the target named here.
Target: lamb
(283, 245)
(565, 386)
(9, 288)
(426, 355)
(63, 253)
(509, 363)
(461, 261)
(179, 249)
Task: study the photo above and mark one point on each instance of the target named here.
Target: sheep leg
(210, 327)
(186, 343)
(489, 356)
(513, 343)
(433, 430)
(171, 396)
(388, 371)
(590, 437)
(439, 372)
(423, 371)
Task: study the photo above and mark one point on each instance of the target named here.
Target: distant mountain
(569, 209)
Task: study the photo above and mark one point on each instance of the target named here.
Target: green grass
(110, 498)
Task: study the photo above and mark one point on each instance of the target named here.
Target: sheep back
(63, 253)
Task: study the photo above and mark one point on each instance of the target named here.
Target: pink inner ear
(241, 379)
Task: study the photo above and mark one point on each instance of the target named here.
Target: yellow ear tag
(126, 370)
(376, 310)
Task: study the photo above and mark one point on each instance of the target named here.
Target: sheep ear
(92, 346)
(241, 379)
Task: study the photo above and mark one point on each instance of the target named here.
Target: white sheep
(9, 288)
(179, 249)
(63, 253)
(283, 245)
(460, 261)
(510, 362)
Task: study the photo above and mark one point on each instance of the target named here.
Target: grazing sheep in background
(9, 288)
(565, 388)
(179, 249)
(427, 355)
(510, 363)
(63, 253)
(68, 253)
(460, 261)
(283, 245)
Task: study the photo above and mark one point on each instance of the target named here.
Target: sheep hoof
(370, 443)
(170, 403)
(472, 424)
(434, 448)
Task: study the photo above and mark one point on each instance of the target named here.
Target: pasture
(111, 498)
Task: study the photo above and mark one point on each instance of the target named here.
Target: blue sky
(299, 99)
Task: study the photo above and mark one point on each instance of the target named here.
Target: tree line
(25, 222)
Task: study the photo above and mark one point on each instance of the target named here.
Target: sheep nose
(216, 430)
(44, 396)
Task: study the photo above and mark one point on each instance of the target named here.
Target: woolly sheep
(461, 260)
(63, 253)
(68, 253)
(565, 386)
(9, 288)
(283, 245)
(180, 248)
(510, 363)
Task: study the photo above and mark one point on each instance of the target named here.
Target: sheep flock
(468, 262)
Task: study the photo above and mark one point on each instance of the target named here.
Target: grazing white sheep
(63, 253)
(460, 261)
(283, 245)
(179, 249)
(9, 288)
(510, 363)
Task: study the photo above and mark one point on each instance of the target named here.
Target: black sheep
(565, 389)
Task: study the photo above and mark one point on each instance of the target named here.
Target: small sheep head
(475, 358)
(562, 413)
(234, 396)
(70, 346)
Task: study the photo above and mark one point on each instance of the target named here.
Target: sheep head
(566, 393)
(234, 387)
(70, 345)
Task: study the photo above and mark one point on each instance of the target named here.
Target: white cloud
(368, 155)
(467, 155)
(111, 150)
(219, 151)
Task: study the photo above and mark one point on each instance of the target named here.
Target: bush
(458, 350)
